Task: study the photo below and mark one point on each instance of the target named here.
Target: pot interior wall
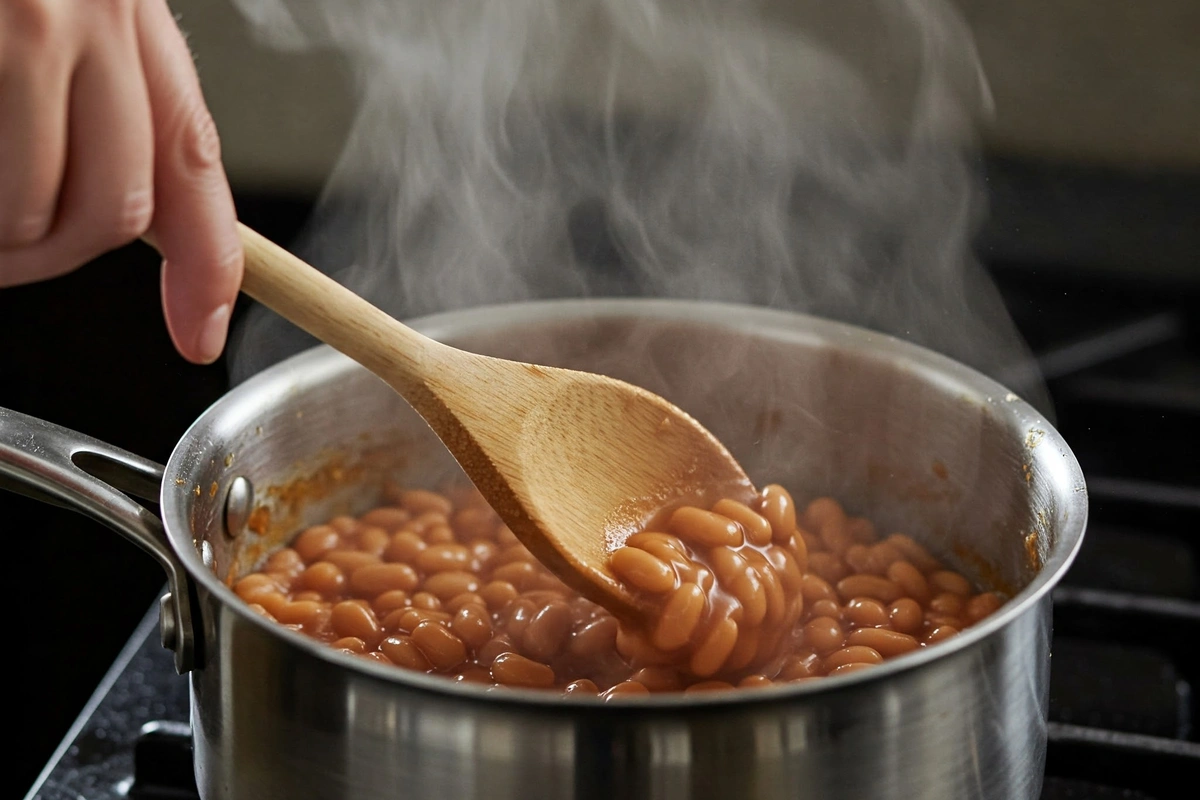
(905, 438)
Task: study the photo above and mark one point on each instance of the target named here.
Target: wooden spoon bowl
(573, 462)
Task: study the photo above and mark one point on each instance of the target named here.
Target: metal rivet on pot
(237, 506)
(166, 621)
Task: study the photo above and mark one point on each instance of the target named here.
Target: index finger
(194, 223)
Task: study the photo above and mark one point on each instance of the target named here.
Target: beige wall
(1083, 80)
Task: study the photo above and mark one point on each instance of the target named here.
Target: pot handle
(67, 469)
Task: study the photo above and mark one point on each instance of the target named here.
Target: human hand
(105, 137)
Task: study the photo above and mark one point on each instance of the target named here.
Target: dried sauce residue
(940, 470)
(985, 571)
(1031, 550)
(259, 520)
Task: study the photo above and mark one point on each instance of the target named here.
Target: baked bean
(582, 687)
(520, 574)
(658, 679)
(642, 570)
(827, 566)
(389, 518)
(547, 631)
(940, 633)
(910, 580)
(350, 561)
(375, 579)
(933, 619)
(445, 585)
(520, 613)
(406, 619)
(825, 608)
(512, 669)
(861, 530)
(323, 577)
(756, 527)
(443, 558)
(886, 643)
(404, 653)
(473, 673)
(298, 612)
(459, 600)
(785, 564)
(755, 682)
(371, 539)
(405, 547)
(351, 619)
(679, 617)
(872, 586)
(351, 644)
(625, 689)
(420, 501)
(439, 534)
(316, 542)
(344, 524)
(946, 581)
(815, 588)
(807, 665)
(823, 634)
(498, 594)
(473, 625)
(273, 602)
(777, 507)
(858, 558)
(376, 655)
(749, 645)
(498, 644)
(459, 595)
(914, 552)
(443, 649)
(854, 654)
(704, 528)
(254, 587)
(845, 669)
(982, 605)
(947, 603)
(286, 561)
(389, 601)
(863, 612)
(714, 648)
(906, 615)
(474, 523)
(595, 637)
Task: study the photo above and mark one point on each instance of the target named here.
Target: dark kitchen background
(1093, 177)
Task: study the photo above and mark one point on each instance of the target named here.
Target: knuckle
(25, 231)
(135, 212)
(34, 22)
(195, 138)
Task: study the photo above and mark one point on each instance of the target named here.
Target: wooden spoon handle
(331, 312)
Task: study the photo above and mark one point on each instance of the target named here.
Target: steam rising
(816, 159)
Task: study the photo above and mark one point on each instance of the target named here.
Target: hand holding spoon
(571, 461)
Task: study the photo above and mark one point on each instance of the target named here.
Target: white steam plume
(815, 158)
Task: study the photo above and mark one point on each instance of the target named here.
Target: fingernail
(211, 340)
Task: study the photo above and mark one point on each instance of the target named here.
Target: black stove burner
(1123, 366)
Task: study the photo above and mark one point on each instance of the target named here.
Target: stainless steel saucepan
(915, 441)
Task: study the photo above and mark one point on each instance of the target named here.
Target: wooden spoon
(572, 462)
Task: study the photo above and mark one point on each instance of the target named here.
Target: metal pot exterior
(271, 723)
(915, 441)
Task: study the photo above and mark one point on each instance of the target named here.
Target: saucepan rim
(313, 366)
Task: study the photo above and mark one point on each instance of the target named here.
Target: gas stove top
(1122, 361)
